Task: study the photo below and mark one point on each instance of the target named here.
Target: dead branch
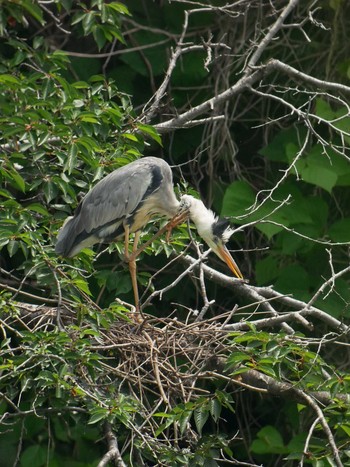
(249, 291)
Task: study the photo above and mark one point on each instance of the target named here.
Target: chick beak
(225, 256)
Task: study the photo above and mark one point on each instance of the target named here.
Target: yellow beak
(225, 256)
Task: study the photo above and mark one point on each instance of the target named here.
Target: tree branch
(273, 30)
(277, 65)
(209, 105)
(113, 450)
(249, 291)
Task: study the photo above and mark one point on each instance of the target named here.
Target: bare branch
(113, 453)
(245, 290)
(209, 105)
(273, 30)
(277, 65)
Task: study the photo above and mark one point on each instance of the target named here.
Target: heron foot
(176, 220)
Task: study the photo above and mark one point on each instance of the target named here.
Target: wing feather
(105, 207)
(115, 197)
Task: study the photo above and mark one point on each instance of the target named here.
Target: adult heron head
(214, 231)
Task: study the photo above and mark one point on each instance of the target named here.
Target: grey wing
(103, 210)
(116, 196)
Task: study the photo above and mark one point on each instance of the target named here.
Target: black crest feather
(219, 227)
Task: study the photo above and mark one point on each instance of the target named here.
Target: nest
(162, 357)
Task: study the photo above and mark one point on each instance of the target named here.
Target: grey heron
(124, 201)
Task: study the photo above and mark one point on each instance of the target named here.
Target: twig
(116, 52)
(274, 64)
(243, 83)
(311, 402)
(160, 292)
(207, 303)
(271, 34)
(307, 441)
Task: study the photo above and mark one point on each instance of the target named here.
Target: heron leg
(126, 243)
(131, 260)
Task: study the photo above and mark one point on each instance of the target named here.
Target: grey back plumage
(128, 196)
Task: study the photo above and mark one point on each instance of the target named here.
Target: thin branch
(311, 402)
(249, 291)
(160, 292)
(307, 441)
(277, 65)
(273, 30)
(116, 52)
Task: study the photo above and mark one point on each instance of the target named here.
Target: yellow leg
(126, 243)
(132, 269)
(131, 259)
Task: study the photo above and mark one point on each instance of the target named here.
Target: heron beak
(225, 256)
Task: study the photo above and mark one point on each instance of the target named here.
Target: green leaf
(269, 442)
(336, 302)
(291, 244)
(150, 131)
(184, 420)
(12, 247)
(129, 136)
(114, 280)
(270, 229)
(277, 150)
(34, 456)
(39, 208)
(5, 193)
(99, 36)
(345, 428)
(340, 231)
(78, 17)
(98, 415)
(294, 279)
(72, 158)
(324, 110)
(215, 409)
(50, 190)
(82, 285)
(239, 196)
(119, 7)
(34, 10)
(201, 415)
(343, 124)
(46, 376)
(237, 358)
(81, 85)
(164, 426)
(319, 176)
(18, 181)
(9, 79)
(88, 22)
(267, 270)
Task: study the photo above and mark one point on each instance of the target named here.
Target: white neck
(202, 217)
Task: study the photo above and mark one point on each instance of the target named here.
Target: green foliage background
(68, 119)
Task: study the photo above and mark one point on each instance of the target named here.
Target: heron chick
(124, 201)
